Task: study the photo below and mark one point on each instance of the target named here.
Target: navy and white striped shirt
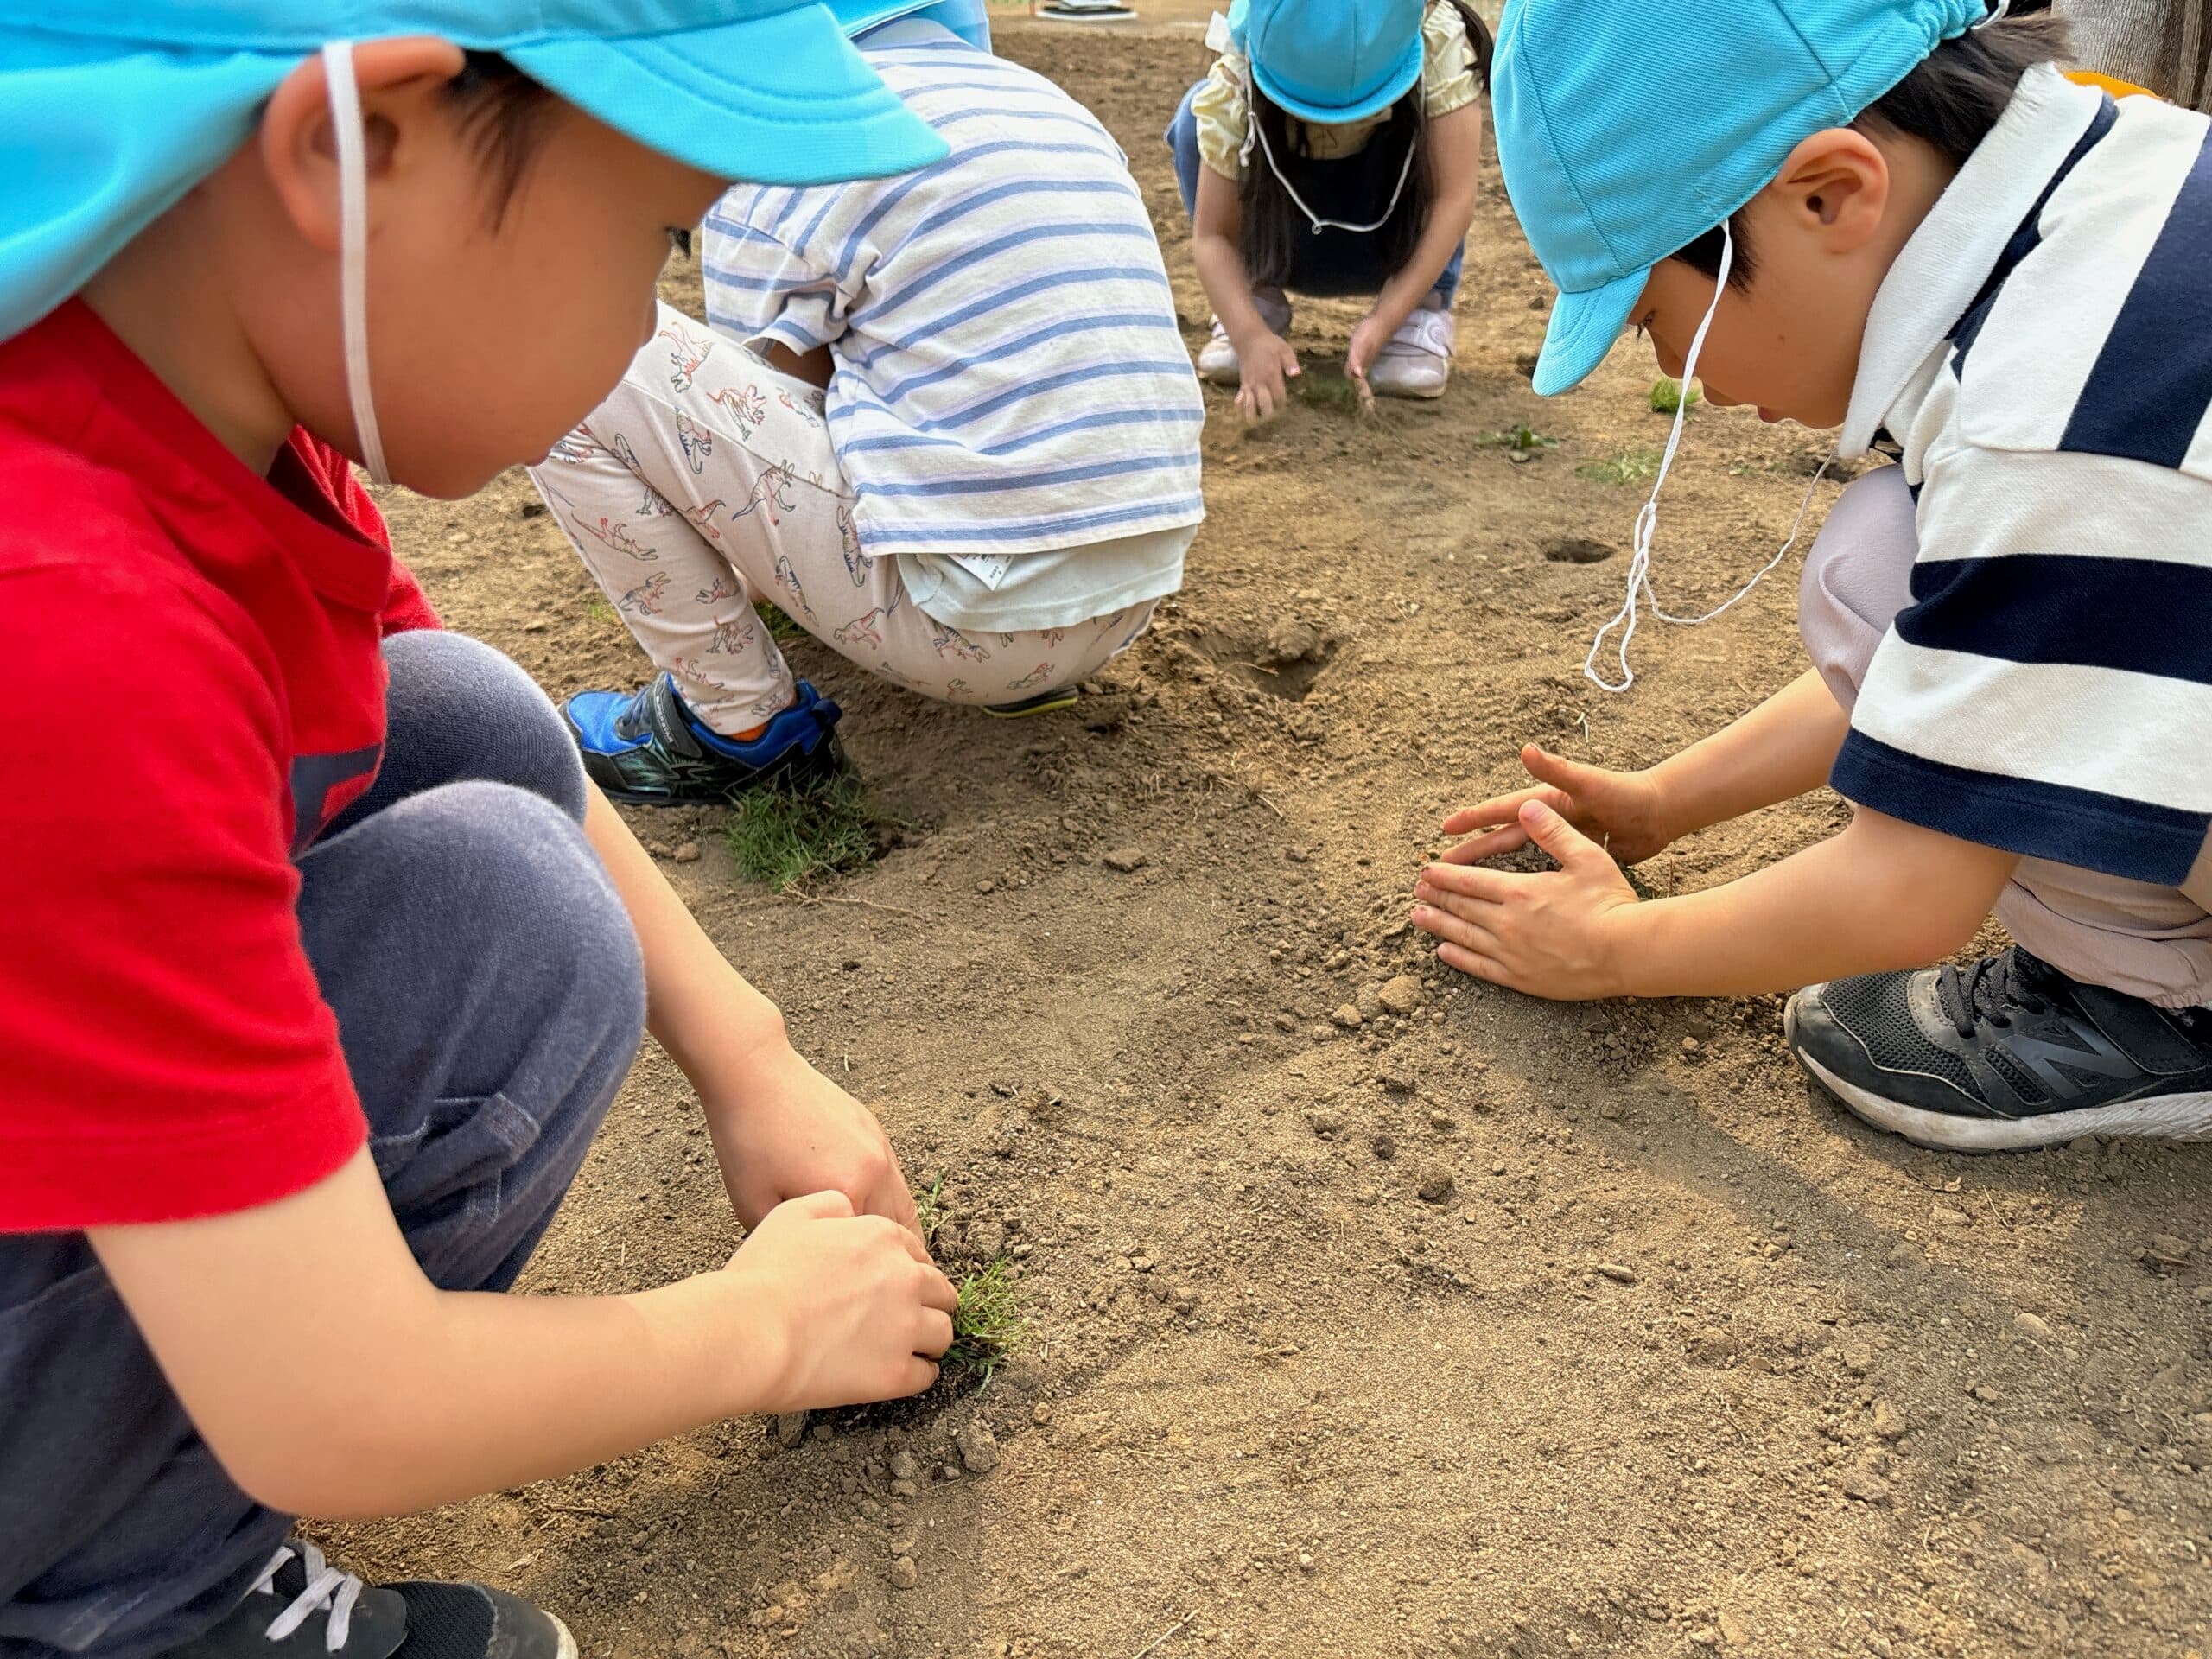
(2042, 353)
(1009, 377)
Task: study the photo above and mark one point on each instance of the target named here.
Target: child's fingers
(1488, 814)
(1455, 929)
(937, 1293)
(936, 1333)
(1470, 881)
(1494, 843)
(1471, 962)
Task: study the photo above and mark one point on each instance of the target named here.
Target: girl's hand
(1368, 340)
(1621, 810)
(1267, 363)
(1553, 934)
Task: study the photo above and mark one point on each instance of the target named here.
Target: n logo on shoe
(2054, 1063)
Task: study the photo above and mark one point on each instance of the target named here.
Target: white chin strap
(354, 249)
(1647, 521)
(1253, 134)
(1996, 14)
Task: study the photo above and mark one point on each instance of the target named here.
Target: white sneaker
(1416, 361)
(1217, 356)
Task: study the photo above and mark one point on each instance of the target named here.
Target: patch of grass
(1521, 440)
(1326, 390)
(1668, 395)
(1623, 467)
(599, 610)
(988, 1325)
(780, 627)
(780, 838)
(929, 1208)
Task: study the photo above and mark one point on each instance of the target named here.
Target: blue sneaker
(646, 748)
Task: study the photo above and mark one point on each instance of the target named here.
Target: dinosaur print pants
(707, 481)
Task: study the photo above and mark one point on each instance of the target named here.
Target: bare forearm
(1449, 219)
(1777, 752)
(712, 1023)
(1220, 264)
(1882, 895)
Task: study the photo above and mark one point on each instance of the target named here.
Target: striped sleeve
(765, 289)
(2048, 689)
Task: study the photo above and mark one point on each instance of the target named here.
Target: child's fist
(841, 1309)
(1267, 365)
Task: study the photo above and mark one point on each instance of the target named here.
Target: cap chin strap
(354, 249)
(1255, 133)
(1647, 521)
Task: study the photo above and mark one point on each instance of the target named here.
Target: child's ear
(398, 79)
(1836, 186)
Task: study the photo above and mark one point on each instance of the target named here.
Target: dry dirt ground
(1681, 1360)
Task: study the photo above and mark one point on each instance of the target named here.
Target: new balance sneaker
(1217, 356)
(1416, 361)
(303, 1606)
(2006, 1053)
(646, 748)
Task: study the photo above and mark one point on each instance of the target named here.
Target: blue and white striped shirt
(1009, 377)
(2042, 353)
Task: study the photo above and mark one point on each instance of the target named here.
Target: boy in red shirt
(322, 960)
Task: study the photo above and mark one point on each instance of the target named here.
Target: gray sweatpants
(2150, 942)
(490, 999)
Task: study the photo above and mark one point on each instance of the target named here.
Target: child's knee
(1857, 578)
(460, 710)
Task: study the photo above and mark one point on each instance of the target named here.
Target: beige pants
(707, 481)
(2150, 942)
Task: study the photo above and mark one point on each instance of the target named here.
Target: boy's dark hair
(1272, 221)
(506, 113)
(1950, 102)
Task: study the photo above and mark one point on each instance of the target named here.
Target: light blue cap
(1331, 61)
(1626, 132)
(111, 110)
(970, 19)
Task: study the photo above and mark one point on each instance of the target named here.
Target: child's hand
(838, 1309)
(1267, 364)
(1619, 810)
(1552, 934)
(781, 1129)
(1368, 340)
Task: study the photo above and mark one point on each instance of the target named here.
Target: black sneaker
(303, 1606)
(646, 748)
(2006, 1053)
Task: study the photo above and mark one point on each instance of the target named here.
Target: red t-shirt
(190, 688)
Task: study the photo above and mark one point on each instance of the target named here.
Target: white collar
(1944, 264)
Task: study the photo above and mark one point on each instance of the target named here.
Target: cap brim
(1583, 329)
(781, 99)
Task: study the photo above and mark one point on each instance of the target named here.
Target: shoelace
(326, 1587)
(1982, 992)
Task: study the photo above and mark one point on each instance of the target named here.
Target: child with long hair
(1333, 150)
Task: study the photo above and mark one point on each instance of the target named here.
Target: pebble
(1616, 1272)
(978, 1447)
(1983, 1392)
(1436, 1183)
(1713, 1345)
(2033, 1328)
(903, 1467)
(1442, 1122)
(904, 1575)
(1866, 1487)
(1285, 1022)
(1889, 1421)
(1347, 1016)
(1947, 1217)
(2170, 1249)
(1396, 1083)
(687, 852)
(1125, 859)
(1859, 1361)
(790, 1428)
(1402, 994)
(1385, 1147)
(1323, 1121)
(1040, 1413)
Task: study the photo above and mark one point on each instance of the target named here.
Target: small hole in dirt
(1286, 662)
(1577, 550)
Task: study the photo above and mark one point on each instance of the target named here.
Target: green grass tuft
(1625, 467)
(1520, 439)
(988, 1325)
(1326, 390)
(782, 837)
(780, 627)
(1669, 395)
